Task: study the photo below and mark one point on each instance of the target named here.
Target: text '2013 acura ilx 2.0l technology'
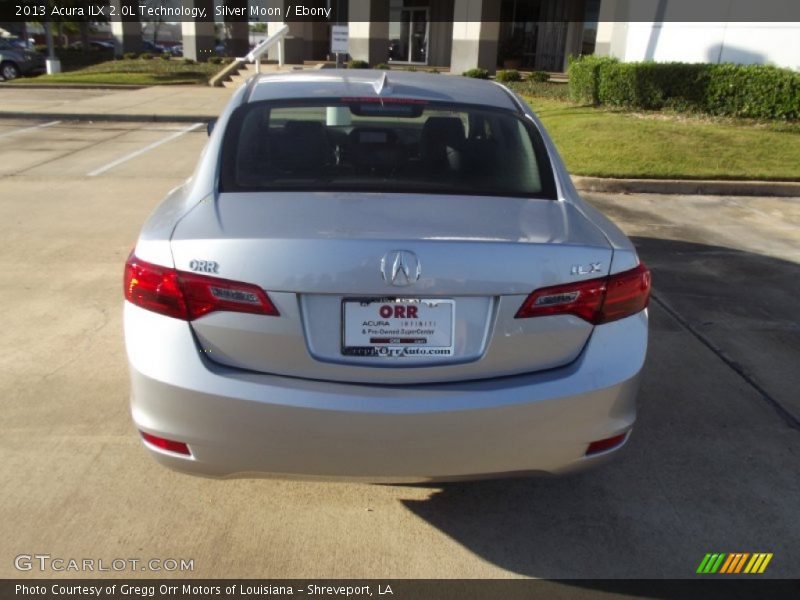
(382, 277)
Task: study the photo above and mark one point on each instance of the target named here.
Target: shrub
(166, 56)
(584, 78)
(508, 76)
(216, 60)
(130, 55)
(539, 76)
(146, 56)
(753, 91)
(383, 67)
(476, 73)
(651, 86)
(188, 61)
(358, 64)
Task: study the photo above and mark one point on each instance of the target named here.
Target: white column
(368, 30)
(199, 35)
(476, 31)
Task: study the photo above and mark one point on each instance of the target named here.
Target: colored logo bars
(734, 563)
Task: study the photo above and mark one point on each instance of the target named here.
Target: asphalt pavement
(712, 465)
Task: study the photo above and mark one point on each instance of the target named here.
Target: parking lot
(712, 465)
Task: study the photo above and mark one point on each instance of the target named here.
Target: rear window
(369, 145)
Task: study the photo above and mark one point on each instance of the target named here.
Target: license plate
(398, 327)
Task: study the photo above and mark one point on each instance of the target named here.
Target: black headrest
(442, 143)
(303, 146)
(448, 131)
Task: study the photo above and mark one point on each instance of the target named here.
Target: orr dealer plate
(398, 327)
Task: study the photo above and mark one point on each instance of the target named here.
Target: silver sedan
(385, 277)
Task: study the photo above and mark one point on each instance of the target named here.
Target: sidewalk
(158, 103)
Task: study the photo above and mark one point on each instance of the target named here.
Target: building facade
(447, 34)
(460, 34)
(457, 35)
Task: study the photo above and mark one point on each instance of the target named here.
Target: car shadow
(710, 467)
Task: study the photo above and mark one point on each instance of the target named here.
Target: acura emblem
(400, 268)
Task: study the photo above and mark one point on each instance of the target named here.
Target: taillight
(207, 294)
(597, 300)
(154, 288)
(627, 293)
(189, 296)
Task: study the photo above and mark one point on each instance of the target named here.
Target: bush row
(753, 91)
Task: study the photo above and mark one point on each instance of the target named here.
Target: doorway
(408, 35)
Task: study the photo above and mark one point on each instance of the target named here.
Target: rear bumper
(245, 424)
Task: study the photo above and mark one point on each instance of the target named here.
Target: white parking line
(24, 129)
(141, 151)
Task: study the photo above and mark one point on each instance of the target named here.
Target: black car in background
(16, 60)
(148, 46)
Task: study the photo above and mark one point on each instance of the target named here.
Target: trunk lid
(313, 251)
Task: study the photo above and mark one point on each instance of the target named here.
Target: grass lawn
(134, 72)
(605, 143)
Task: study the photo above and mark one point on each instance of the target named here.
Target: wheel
(9, 70)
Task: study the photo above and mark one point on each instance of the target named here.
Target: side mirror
(210, 126)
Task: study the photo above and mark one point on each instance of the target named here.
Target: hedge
(584, 78)
(752, 91)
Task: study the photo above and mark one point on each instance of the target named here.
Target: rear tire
(9, 70)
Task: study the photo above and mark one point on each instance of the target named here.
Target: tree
(71, 24)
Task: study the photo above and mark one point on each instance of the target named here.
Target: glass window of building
(408, 31)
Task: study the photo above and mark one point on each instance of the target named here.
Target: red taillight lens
(582, 299)
(627, 293)
(154, 288)
(606, 444)
(165, 444)
(207, 294)
(597, 300)
(189, 296)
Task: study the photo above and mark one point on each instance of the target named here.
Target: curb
(75, 86)
(701, 187)
(106, 117)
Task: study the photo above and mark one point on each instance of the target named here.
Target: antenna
(382, 85)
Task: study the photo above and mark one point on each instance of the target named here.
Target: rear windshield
(374, 145)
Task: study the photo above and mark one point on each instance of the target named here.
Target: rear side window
(384, 146)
